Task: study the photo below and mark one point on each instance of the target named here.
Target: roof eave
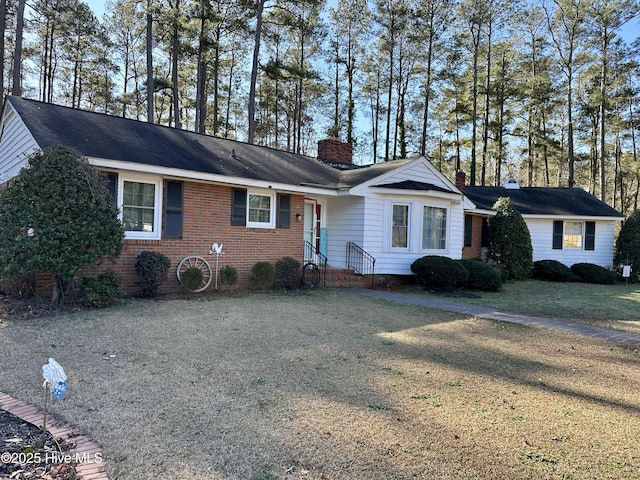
(209, 177)
(608, 218)
(456, 197)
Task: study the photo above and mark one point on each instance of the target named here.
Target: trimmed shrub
(439, 273)
(57, 216)
(287, 273)
(191, 279)
(103, 290)
(263, 275)
(628, 245)
(482, 276)
(510, 240)
(228, 276)
(552, 271)
(592, 273)
(153, 268)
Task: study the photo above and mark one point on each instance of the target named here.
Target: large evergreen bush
(628, 245)
(510, 241)
(57, 216)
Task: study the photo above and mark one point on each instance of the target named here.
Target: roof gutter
(195, 176)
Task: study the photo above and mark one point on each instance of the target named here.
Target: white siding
(345, 223)
(541, 231)
(16, 144)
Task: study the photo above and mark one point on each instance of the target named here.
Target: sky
(630, 31)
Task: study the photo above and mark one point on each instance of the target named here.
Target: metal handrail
(312, 254)
(360, 261)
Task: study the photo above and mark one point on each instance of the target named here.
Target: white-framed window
(261, 210)
(400, 226)
(140, 202)
(434, 228)
(572, 237)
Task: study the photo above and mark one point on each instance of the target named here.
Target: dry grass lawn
(332, 386)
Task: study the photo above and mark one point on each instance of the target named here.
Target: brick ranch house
(179, 192)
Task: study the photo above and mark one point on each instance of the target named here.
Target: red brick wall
(473, 251)
(207, 220)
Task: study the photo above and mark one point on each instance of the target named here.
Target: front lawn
(613, 306)
(334, 386)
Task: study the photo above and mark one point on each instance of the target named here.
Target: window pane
(572, 235)
(434, 228)
(400, 226)
(259, 208)
(138, 219)
(139, 194)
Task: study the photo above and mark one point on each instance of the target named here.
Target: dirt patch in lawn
(333, 386)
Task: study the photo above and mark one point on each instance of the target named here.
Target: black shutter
(284, 211)
(468, 230)
(590, 236)
(558, 231)
(238, 207)
(112, 185)
(173, 209)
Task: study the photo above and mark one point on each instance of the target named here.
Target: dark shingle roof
(115, 138)
(543, 201)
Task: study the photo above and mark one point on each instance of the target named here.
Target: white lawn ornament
(217, 249)
(55, 379)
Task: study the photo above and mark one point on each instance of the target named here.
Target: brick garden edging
(84, 446)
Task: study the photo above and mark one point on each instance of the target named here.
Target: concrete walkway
(489, 313)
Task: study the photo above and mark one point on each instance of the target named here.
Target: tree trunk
(174, 68)
(16, 88)
(150, 86)
(3, 26)
(254, 73)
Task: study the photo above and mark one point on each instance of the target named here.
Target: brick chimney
(335, 150)
(461, 179)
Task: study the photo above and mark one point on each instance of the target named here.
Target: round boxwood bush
(191, 279)
(552, 271)
(439, 273)
(228, 276)
(263, 275)
(287, 273)
(482, 276)
(592, 273)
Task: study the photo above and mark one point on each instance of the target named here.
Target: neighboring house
(179, 192)
(566, 224)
